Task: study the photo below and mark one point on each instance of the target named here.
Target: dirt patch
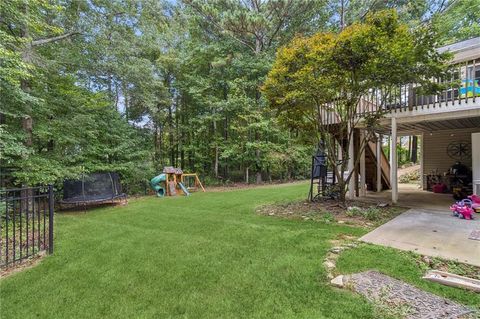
(356, 213)
(237, 186)
(22, 265)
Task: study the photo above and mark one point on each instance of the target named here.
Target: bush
(328, 218)
(353, 211)
(372, 214)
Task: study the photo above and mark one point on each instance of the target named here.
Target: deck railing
(462, 87)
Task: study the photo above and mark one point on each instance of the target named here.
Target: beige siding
(476, 162)
(435, 149)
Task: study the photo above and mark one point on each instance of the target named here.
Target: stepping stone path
(380, 288)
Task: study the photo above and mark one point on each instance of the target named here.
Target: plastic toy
(475, 202)
(462, 209)
(469, 88)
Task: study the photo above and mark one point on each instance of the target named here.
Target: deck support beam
(422, 175)
(351, 163)
(393, 161)
(379, 162)
(363, 180)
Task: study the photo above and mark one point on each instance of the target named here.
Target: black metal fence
(26, 223)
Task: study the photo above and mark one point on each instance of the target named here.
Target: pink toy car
(475, 202)
(463, 209)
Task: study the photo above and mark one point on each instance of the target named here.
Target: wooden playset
(173, 182)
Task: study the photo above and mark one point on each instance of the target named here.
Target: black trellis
(26, 223)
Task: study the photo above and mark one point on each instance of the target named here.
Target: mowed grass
(204, 256)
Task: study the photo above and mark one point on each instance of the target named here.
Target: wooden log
(452, 280)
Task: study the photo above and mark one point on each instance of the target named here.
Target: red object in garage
(439, 188)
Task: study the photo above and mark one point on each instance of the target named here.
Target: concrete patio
(410, 195)
(427, 228)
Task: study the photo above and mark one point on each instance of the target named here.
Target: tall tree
(259, 27)
(325, 76)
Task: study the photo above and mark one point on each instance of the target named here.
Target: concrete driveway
(430, 232)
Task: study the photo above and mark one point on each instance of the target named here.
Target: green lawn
(204, 256)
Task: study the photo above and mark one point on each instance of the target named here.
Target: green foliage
(328, 218)
(326, 75)
(353, 211)
(134, 86)
(372, 214)
(379, 53)
(460, 22)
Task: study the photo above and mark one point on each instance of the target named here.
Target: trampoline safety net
(92, 188)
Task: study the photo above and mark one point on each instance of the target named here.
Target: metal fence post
(50, 218)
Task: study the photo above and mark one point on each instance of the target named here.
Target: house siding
(435, 157)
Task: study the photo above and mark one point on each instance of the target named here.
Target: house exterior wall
(476, 162)
(435, 157)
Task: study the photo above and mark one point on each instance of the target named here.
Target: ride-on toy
(475, 202)
(462, 209)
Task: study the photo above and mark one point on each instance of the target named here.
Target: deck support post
(394, 162)
(422, 174)
(379, 162)
(351, 163)
(363, 180)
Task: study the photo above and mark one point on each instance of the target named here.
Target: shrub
(353, 211)
(372, 214)
(328, 218)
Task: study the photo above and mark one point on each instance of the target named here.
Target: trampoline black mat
(92, 188)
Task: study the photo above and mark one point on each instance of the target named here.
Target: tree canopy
(132, 86)
(322, 78)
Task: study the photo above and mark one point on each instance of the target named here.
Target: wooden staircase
(371, 167)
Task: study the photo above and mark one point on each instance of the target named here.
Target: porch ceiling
(429, 126)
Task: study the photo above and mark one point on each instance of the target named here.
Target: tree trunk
(258, 173)
(342, 14)
(27, 121)
(127, 101)
(246, 175)
(258, 177)
(225, 130)
(414, 156)
(170, 136)
(215, 164)
(156, 147)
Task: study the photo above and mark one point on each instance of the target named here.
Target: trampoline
(92, 189)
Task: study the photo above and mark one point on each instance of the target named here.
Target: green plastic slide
(158, 183)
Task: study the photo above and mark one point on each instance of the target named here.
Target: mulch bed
(356, 213)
